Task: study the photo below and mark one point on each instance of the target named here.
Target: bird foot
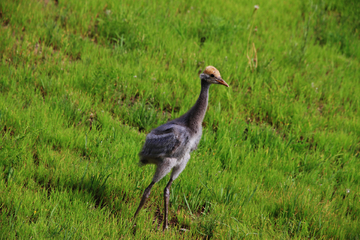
(165, 227)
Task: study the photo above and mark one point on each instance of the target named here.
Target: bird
(169, 145)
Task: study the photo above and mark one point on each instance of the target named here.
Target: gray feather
(168, 140)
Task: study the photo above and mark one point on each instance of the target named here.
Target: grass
(83, 82)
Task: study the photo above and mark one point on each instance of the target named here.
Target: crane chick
(169, 146)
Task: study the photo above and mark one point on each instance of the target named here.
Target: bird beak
(222, 82)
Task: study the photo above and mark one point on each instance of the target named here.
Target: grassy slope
(82, 83)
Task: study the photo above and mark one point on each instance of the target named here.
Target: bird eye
(212, 75)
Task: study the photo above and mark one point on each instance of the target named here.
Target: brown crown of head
(212, 70)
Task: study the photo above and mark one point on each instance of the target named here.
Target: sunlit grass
(83, 82)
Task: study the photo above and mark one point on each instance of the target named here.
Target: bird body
(169, 146)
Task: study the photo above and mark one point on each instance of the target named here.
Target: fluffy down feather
(169, 140)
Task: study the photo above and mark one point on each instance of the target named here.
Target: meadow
(83, 82)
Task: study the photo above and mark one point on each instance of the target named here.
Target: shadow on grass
(94, 186)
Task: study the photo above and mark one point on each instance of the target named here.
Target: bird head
(212, 75)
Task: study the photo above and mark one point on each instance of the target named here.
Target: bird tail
(143, 162)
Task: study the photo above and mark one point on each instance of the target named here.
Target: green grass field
(83, 82)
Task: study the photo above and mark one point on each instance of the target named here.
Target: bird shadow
(95, 186)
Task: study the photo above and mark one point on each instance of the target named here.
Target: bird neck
(196, 114)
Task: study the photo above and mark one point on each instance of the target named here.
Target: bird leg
(144, 197)
(166, 203)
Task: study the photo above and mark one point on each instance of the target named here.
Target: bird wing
(168, 140)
